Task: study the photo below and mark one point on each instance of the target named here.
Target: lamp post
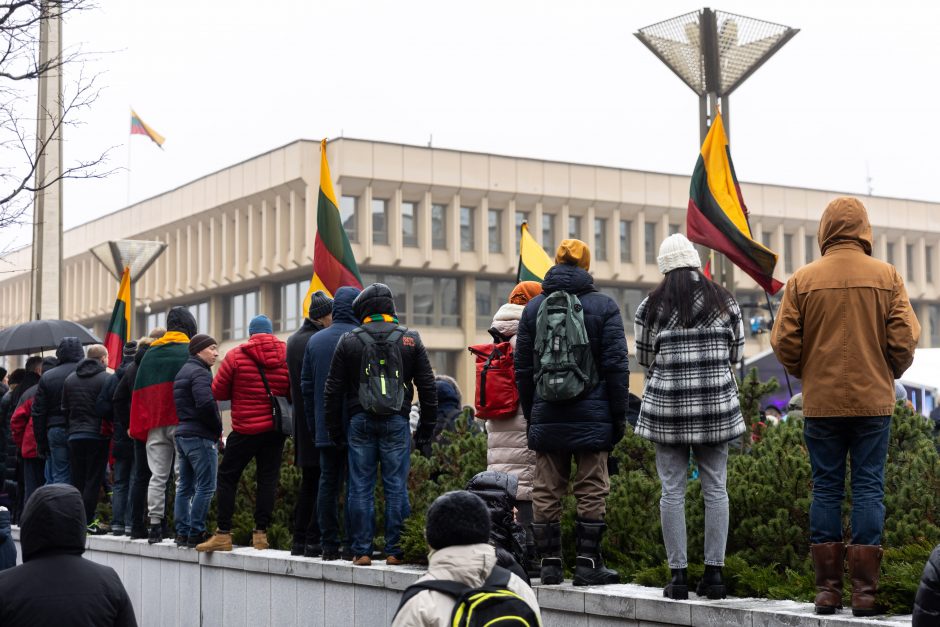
(135, 254)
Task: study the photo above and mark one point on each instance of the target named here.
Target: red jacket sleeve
(222, 383)
(19, 420)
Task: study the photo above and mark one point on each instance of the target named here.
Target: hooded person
(378, 432)
(21, 423)
(306, 455)
(847, 330)
(318, 353)
(55, 586)
(153, 411)
(50, 424)
(130, 513)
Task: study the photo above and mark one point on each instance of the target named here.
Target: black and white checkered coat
(691, 396)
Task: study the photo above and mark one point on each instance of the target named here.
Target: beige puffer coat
(507, 448)
(470, 564)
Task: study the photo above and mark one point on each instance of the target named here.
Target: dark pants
(829, 441)
(88, 460)
(136, 517)
(123, 464)
(333, 470)
(306, 524)
(34, 476)
(266, 449)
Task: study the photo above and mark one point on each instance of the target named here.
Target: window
(765, 238)
(548, 233)
(811, 247)
(449, 304)
(600, 239)
(490, 296)
(347, 214)
(409, 223)
(933, 314)
(625, 240)
(200, 312)
(788, 265)
(649, 245)
(290, 312)
(909, 254)
(444, 362)
(439, 226)
(574, 227)
(628, 299)
(674, 228)
(422, 300)
(928, 261)
(495, 226)
(240, 310)
(890, 253)
(379, 221)
(466, 228)
(154, 320)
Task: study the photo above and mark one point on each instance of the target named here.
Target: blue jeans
(120, 497)
(195, 484)
(57, 464)
(378, 440)
(829, 441)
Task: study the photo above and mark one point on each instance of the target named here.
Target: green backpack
(566, 365)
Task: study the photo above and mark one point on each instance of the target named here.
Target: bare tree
(21, 68)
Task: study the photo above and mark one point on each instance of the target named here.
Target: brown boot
(221, 541)
(864, 563)
(828, 561)
(259, 539)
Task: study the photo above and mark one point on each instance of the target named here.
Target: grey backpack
(566, 365)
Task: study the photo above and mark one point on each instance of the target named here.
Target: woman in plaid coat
(689, 332)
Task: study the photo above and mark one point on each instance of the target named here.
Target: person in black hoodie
(379, 439)
(122, 448)
(49, 421)
(90, 427)
(55, 586)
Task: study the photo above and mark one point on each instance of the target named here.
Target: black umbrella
(41, 335)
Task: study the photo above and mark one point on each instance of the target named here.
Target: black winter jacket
(195, 405)
(306, 454)
(55, 586)
(586, 423)
(927, 601)
(82, 400)
(498, 490)
(47, 407)
(122, 397)
(342, 384)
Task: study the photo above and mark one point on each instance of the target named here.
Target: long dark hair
(677, 293)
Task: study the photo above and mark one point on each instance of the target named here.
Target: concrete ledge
(171, 586)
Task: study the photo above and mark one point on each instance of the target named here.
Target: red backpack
(496, 394)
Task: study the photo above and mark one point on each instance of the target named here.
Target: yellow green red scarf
(380, 318)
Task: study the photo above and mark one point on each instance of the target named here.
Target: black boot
(711, 585)
(297, 547)
(533, 566)
(313, 549)
(548, 540)
(590, 569)
(678, 588)
(156, 534)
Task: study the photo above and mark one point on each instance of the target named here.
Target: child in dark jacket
(498, 491)
(7, 548)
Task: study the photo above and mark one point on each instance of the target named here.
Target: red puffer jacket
(21, 425)
(239, 381)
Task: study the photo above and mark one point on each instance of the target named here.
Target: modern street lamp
(134, 254)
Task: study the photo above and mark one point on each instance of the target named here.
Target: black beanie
(457, 518)
(199, 342)
(320, 305)
(130, 348)
(181, 320)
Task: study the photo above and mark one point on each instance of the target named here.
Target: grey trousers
(161, 453)
(672, 464)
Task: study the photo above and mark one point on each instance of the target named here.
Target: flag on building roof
(333, 262)
(139, 127)
(717, 216)
(534, 262)
(119, 329)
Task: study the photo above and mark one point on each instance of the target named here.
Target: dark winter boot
(297, 548)
(533, 567)
(678, 587)
(864, 562)
(156, 534)
(828, 564)
(711, 584)
(313, 549)
(589, 569)
(548, 540)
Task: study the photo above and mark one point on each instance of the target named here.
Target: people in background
(50, 425)
(21, 423)
(772, 415)
(122, 447)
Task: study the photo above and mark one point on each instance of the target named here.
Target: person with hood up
(376, 439)
(458, 532)
(586, 427)
(498, 490)
(50, 425)
(794, 408)
(253, 434)
(55, 586)
(306, 455)
(90, 427)
(153, 410)
(21, 423)
(846, 328)
(318, 353)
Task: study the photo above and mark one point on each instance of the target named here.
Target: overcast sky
(855, 90)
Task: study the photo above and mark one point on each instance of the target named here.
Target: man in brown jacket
(847, 329)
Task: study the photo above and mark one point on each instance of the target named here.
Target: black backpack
(493, 604)
(381, 389)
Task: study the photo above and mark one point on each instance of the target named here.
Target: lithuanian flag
(534, 262)
(717, 216)
(152, 402)
(119, 329)
(333, 262)
(139, 127)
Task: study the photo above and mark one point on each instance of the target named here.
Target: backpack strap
(450, 588)
(499, 578)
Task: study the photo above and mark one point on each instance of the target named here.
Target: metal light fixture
(136, 255)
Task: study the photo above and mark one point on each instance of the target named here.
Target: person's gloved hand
(423, 436)
(620, 429)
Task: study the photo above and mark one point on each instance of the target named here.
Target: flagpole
(129, 142)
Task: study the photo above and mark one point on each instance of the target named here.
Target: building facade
(440, 227)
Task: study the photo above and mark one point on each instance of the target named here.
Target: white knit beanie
(677, 252)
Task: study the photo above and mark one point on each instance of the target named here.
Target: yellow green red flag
(139, 127)
(534, 262)
(119, 329)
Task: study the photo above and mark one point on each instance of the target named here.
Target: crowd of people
(845, 328)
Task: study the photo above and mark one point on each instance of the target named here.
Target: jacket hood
(89, 368)
(266, 350)
(53, 522)
(467, 563)
(343, 305)
(567, 278)
(448, 392)
(181, 320)
(845, 220)
(70, 351)
(375, 299)
(506, 320)
(141, 349)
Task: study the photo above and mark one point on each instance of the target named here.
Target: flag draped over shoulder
(717, 216)
(119, 329)
(139, 127)
(152, 403)
(333, 262)
(533, 260)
